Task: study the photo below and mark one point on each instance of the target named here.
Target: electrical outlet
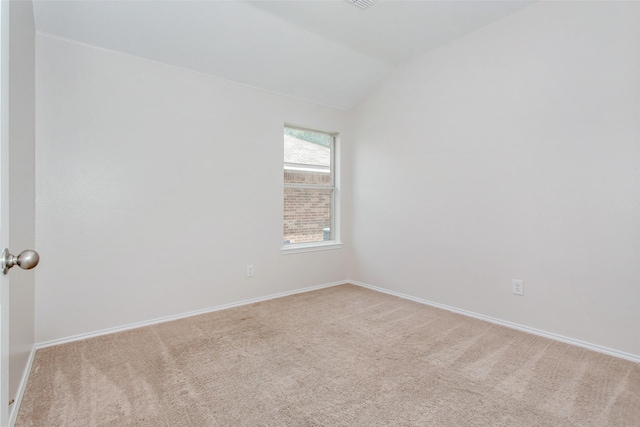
(517, 287)
(249, 270)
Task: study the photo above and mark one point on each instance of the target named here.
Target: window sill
(310, 247)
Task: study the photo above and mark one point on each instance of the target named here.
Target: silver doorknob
(26, 260)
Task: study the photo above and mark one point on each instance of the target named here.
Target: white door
(17, 187)
(4, 214)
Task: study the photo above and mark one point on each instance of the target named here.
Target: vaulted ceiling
(325, 51)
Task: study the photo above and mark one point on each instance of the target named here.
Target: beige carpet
(341, 356)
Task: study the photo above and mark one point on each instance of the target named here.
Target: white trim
(310, 129)
(136, 325)
(534, 331)
(308, 186)
(294, 248)
(299, 167)
(15, 408)
(545, 334)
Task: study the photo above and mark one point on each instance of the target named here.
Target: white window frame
(336, 243)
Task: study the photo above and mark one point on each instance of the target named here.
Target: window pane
(320, 138)
(307, 215)
(307, 160)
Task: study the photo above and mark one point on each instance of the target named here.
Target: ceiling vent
(362, 4)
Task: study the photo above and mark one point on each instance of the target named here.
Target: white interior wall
(511, 153)
(155, 187)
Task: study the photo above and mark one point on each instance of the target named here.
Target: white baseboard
(181, 316)
(550, 335)
(545, 334)
(15, 407)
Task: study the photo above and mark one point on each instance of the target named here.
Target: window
(309, 188)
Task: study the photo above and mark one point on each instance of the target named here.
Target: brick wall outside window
(306, 211)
